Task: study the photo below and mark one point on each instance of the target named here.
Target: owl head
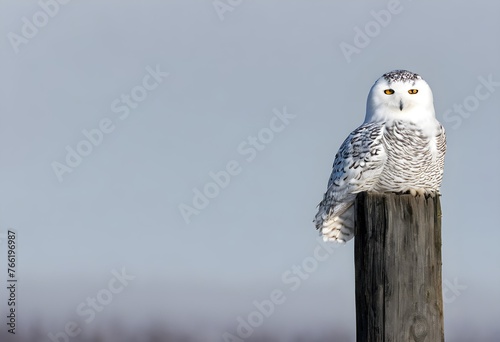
(400, 95)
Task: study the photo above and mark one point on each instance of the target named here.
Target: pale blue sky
(119, 207)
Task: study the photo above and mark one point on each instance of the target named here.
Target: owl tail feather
(338, 226)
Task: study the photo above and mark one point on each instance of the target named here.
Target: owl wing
(356, 168)
(441, 147)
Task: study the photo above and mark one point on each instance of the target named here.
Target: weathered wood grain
(398, 268)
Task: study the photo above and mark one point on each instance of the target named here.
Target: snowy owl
(400, 147)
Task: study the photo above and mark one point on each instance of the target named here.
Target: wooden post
(398, 268)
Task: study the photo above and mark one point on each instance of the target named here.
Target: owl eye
(413, 91)
(389, 91)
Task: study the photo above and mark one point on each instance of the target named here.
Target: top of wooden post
(398, 268)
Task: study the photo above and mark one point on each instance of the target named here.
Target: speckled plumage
(401, 76)
(400, 147)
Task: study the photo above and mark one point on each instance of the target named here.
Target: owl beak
(400, 104)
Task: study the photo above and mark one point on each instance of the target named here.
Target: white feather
(400, 147)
